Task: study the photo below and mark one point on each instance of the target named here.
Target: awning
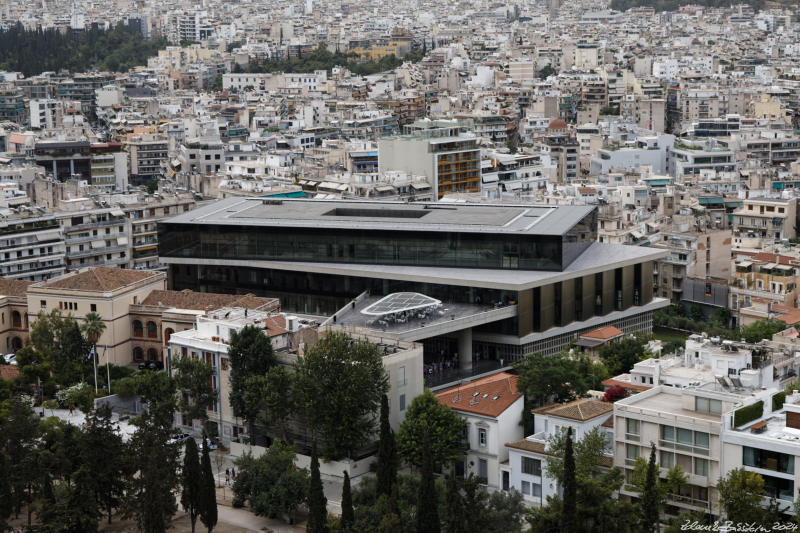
(121, 241)
(342, 187)
(770, 266)
(513, 186)
(637, 234)
(489, 178)
(47, 236)
(384, 188)
(98, 244)
(421, 185)
(117, 213)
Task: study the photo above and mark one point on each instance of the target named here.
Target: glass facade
(378, 247)
(767, 459)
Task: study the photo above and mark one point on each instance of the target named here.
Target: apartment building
(46, 113)
(763, 277)
(515, 173)
(143, 233)
(441, 150)
(31, 248)
(147, 153)
(691, 160)
(99, 237)
(762, 221)
(692, 254)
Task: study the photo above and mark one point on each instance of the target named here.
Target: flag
(91, 354)
(105, 349)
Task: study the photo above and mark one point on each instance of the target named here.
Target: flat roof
(418, 216)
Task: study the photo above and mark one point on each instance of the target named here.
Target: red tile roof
(463, 398)
(581, 409)
(13, 287)
(100, 279)
(606, 333)
(611, 382)
(207, 301)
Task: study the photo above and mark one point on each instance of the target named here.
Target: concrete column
(465, 349)
(71, 167)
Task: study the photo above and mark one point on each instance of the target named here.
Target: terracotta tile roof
(790, 315)
(13, 287)
(776, 258)
(581, 409)
(609, 423)
(8, 372)
(611, 382)
(539, 447)
(100, 279)
(608, 332)
(463, 398)
(206, 301)
(275, 325)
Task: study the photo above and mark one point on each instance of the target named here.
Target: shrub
(748, 414)
(777, 400)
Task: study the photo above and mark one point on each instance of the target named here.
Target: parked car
(179, 438)
(10, 359)
(151, 365)
(211, 446)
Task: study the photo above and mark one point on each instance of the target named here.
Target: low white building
(492, 408)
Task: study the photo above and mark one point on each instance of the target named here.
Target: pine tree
(208, 492)
(317, 511)
(6, 506)
(568, 519)
(649, 504)
(387, 452)
(454, 506)
(192, 481)
(427, 504)
(348, 514)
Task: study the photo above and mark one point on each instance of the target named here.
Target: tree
(696, 313)
(82, 510)
(654, 490)
(272, 484)
(271, 394)
(619, 357)
(568, 484)
(250, 354)
(18, 433)
(191, 482)
(348, 514)
(155, 462)
(193, 379)
(427, 501)
(387, 452)
(317, 511)
(454, 520)
(103, 454)
(208, 492)
(339, 384)
(6, 501)
(761, 329)
(442, 425)
(546, 72)
(650, 497)
(740, 495)
(93, 328)
(614, 393)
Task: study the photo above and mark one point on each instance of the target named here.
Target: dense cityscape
(406, 267)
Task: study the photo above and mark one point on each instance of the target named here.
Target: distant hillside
(674, 5)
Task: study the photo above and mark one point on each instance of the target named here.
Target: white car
(10, 359)
(211, 446)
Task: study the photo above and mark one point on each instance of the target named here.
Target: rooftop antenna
(458, 393)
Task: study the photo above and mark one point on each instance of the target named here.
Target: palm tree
(93, 328)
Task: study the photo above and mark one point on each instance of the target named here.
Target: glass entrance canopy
(400, 301)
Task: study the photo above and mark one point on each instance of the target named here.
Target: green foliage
(778, 400)
(271, 394)
(568, 486)
(619, 357)
(546, 72)
(99, 442)
(193, 378)
(339, 383)
(762, 329)
(317, 510)
(427, 417)
(208, 491)
(609, 110)
(650, 503)
(82, 397)
(35, 51)
(748, 413)
(588, 453)
(322, 59)
(152, 186)
(348, 513)
(191, 482)
(387, 452)
(695, 313)
(654, 490)
(740, 496)
(427, 505)
(250, 353)
(272, 484)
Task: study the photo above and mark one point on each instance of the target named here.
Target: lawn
(669, 335)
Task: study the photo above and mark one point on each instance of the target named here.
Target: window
(631, 429)
(707, 405)
(701, 439)
(152, 330)
(402, 402)
(138, 330)
(531, 466)
(93, 308)
(685, 436)
(43, 304)
(16, 319)
(526, 488)
(401, 376)
(536, 490)
(700, 466)
(666, 459)
(631, 452)
(668, 433)
(482, 436)
(768, 460)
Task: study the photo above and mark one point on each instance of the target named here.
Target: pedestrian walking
(227, 478)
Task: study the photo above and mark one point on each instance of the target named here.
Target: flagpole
(108, 371)
(94, 362)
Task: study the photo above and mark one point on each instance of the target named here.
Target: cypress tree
(427, 502)
(649, 505)
(208, 492)
(387, 452)
(348, 514)
(317, 511)
(568, 509)
(191, 481)
(454, 506)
